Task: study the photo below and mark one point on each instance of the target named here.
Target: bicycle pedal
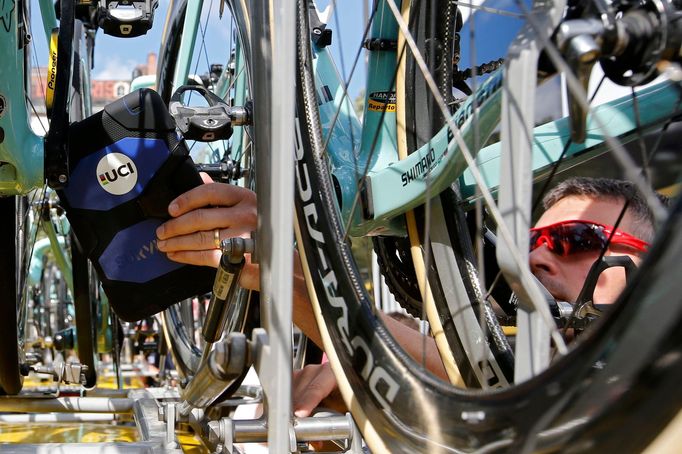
(206, 124)
(126, 18)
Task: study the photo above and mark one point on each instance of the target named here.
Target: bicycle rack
(154, 435)
(155, 412)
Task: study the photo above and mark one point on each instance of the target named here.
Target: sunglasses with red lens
(571, 237)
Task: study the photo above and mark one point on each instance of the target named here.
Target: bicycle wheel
(13, 237)
(211, 51)
(85, 301)
(371, 368)
(85, 281)
(27, 212)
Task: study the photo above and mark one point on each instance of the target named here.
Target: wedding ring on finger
(216, 238)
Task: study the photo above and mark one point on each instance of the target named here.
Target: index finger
(216, 194)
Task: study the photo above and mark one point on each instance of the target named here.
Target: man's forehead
(586, 208)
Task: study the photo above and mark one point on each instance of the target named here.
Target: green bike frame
(21, 150)
(375, 187)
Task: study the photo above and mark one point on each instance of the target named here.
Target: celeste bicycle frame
(22, 151)
(391, 186)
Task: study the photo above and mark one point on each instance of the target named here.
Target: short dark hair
(611, 189)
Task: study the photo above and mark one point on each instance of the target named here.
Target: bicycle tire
(477, 364)
(84, 279)
(12, 236)
(372, 371)
(422, 122)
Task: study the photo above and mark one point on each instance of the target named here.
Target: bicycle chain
(485, 68)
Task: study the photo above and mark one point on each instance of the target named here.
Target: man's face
(564, 276)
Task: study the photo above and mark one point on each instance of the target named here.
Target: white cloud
(114, 68)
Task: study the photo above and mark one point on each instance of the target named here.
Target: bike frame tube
(352, 148)
(47, 11)
(87, 66)
(241, 89)
(656, 104)
(189, 34)
(21, 150)
(239, 83)
(62, 261)
(390, 195)
(403, 185)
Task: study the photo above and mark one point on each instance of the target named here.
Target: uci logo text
(116, 173)
(122, 171)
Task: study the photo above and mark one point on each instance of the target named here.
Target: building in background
(102, 91)
(146, 69)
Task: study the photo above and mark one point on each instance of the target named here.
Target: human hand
(313, 386)
(197, 214)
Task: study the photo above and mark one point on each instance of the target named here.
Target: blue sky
(116, 58)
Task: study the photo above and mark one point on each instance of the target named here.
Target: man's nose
(541, 259)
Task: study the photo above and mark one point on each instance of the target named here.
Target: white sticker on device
(117, 173)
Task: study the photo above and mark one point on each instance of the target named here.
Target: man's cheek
(610, 285)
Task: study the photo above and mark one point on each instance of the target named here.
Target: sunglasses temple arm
(587, 292)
